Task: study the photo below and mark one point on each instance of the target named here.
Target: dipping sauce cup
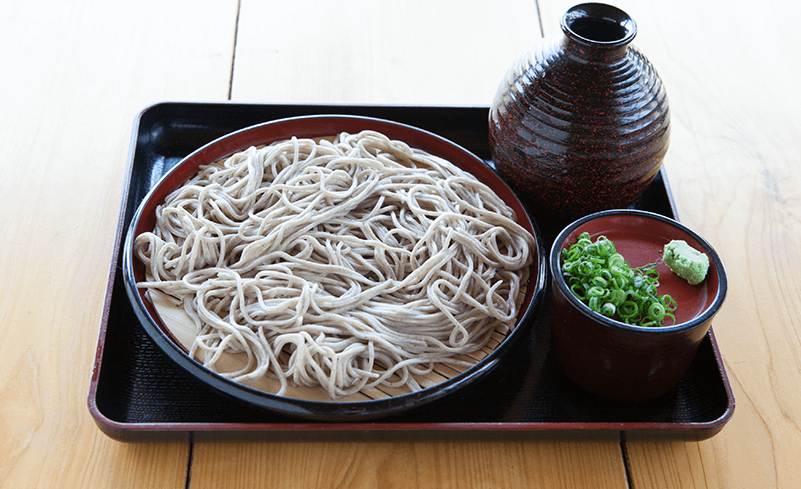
(627, 362)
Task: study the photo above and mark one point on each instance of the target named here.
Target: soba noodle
(346, 264)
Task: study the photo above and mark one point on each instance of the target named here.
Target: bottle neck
(597, 32)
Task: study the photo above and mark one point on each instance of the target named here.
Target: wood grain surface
(77, 72)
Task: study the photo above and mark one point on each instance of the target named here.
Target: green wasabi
(685, 261)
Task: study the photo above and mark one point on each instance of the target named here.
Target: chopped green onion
(600, 277)
(608, 309)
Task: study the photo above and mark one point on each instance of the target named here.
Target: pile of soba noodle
(348, 264)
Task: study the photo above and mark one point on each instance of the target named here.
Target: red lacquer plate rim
(311, 127)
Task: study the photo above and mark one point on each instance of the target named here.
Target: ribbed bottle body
(578, 126)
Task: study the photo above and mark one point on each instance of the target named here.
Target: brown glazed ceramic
(581, 122)
(621, 361)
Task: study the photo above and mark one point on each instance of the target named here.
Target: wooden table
(75, 75)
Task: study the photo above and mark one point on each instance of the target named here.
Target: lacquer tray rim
(368, 430)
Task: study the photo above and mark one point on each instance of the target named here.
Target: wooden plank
(390, 52)
(75, 76)
(735, 170)
(401, 465)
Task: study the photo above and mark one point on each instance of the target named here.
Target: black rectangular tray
(138, 394)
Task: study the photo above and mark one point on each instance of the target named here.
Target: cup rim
(699, 320)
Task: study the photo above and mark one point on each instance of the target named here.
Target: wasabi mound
(685, 261)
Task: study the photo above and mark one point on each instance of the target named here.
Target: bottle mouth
(599, 24)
